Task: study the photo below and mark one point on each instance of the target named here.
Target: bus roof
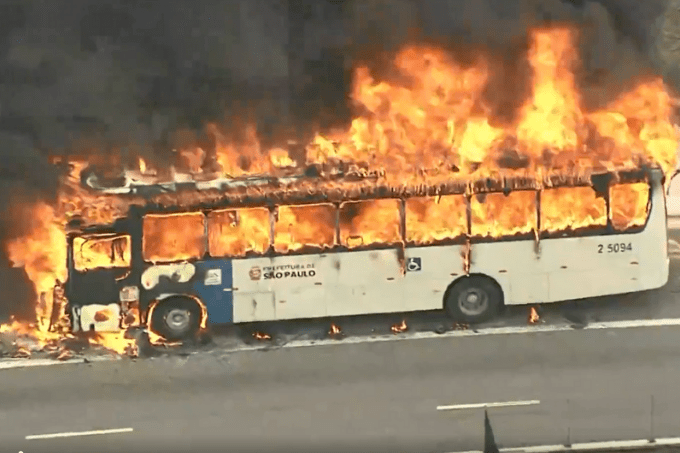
(316, 186)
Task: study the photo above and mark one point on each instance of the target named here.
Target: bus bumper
(97, 318)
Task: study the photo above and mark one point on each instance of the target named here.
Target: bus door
(300, 283)
(368, 276)
(99, 267)
(233, 288)
(215, 289)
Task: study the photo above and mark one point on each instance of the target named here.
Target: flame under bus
(301, 251)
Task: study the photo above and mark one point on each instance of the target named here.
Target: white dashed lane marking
(458, 407)
(98, 432)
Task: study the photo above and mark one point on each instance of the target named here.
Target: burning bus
(322, 246)
(424, 202)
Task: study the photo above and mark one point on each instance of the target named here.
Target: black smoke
(114, 80)
(616, 41)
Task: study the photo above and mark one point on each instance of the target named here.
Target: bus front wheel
(473, 299)
(176, 318)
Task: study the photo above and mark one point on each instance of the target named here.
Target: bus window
(497, 214)
(173, 237)
(369, 222)
(236, 232)
(572, 208)
(105, 252)
(628, 204)
(431, 219)
(299, 226)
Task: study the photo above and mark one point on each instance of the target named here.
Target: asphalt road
(592, 385)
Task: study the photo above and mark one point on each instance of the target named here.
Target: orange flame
(334, 331)
(533, 316)
(261, 336)
(399, 328)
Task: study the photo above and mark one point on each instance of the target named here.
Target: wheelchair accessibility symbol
(413, 265)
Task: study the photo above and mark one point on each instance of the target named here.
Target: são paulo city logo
(283, 271)
(255, 273)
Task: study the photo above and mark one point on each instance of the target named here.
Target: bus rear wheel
(473, 299)
(176, 318)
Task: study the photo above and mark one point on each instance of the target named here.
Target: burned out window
(628, 205)
(431, 219)
(571, 208)
(173, 237)
(497, 214)
(369, 222)
(91, 252)
(300, 226)
(236, 232)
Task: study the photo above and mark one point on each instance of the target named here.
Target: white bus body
(527, 272)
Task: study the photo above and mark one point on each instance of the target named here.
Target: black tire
(489, 299)
(176, 319)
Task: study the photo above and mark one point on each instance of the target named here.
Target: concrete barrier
(658, 445)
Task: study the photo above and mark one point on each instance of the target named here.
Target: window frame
(180, 260)
(648, 208)
(337, 206)
(248, 253)
(104, 236)
(307, 248)
(372, 246)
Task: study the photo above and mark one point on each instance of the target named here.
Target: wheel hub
(473, 302)
(178, 320)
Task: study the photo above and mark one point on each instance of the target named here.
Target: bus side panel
(610, 264)
(253, 307)
(253, 295)
(429, 272)
(654, 259)
(561, 268)
(513, 265)
(583, 267)
(368, 281)
(299, 284)
(284, 287)
(215, 289)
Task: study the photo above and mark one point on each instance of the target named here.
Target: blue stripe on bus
(215, 290)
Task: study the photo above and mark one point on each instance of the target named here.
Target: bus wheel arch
(177, 317)
(473, 298)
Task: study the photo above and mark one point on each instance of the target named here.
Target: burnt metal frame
(336, 197)
(338, 246)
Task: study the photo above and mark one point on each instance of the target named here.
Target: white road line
(488, 405)
(592, 446)
(81, 433)
(24, 363)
